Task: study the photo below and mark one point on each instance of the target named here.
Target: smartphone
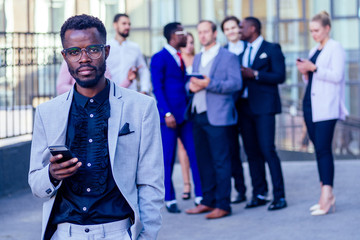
(197, 75)
(63, 150)
(299, 60)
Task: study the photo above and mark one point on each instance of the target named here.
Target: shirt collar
(99, 98)
(238, 44)
(170, 49)
(257, 43)
(213, 50)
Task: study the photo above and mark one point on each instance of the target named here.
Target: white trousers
(119, 230)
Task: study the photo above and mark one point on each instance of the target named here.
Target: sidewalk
(20, 214)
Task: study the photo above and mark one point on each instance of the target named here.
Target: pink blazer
(328, 83)
(65, 81)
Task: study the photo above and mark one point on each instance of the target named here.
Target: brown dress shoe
(217, 213)
(199, 209)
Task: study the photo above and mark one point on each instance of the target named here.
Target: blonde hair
(323, 17)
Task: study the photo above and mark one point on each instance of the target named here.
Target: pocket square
(125, 130)
(263, 55)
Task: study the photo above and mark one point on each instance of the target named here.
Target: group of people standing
(233, 90)
(122, 148)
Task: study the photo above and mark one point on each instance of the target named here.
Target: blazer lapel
(62, 119)
(216, 61)
(259, 52)
(115, 120)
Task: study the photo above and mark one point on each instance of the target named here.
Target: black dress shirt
(307, 96)
(90, 196)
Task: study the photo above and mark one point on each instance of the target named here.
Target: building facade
(284, 21)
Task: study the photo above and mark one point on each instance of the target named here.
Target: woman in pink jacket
(323, 103)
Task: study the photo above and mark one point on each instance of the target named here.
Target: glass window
(316, 6)
(159, 17)
(142, 39)
(2, 16)
(292, 36)
(138, 12)
(349, 9)
(213, 10)
(266, 11)
(188, 12)
(291, 9)
(239, 8)
(57, 15)
(343, 31)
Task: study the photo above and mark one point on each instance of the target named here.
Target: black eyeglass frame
(86, 49)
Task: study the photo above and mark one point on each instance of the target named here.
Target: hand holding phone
(63, 150)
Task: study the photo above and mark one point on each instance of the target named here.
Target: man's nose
(84, 56)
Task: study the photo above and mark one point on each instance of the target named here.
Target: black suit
(237, 171)
(257, 118)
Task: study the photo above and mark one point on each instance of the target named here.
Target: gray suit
(136, 158)
(214, 129)
(225, 81)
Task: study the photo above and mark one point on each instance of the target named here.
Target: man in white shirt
(126, 62)
(231, 28)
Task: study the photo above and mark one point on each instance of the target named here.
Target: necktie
(181, 61)
(249, 59)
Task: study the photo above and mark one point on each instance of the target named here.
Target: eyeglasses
(181, 32)
(75, 53)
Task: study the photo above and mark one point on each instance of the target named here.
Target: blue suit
(169, 88)
(215, 129)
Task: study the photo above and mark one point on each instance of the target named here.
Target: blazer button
(87, 230)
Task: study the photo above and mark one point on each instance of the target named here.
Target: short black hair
(81, 22)
(213, 25)
(254, 22)
(119, 15)
(169, 29)
(229, 18)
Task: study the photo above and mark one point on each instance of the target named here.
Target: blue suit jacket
(263, 93)
(169, 85)
(225, 82)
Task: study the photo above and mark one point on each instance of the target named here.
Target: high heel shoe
(187, 195)
(320, 212)
(314, 207)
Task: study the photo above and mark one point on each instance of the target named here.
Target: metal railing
(28, 70)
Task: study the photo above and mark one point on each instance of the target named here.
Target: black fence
(29, 63)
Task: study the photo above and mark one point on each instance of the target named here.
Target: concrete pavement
(20, 213)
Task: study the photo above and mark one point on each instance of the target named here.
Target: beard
(92, 82)
(124, 34)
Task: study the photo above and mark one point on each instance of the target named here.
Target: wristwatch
(168, 114)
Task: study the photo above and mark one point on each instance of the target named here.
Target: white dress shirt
(236, 48)
(208, 55)
(173, 53)
(255, 48)
(122, 58)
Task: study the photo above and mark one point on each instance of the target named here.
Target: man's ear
(63, 54)
(107, 51)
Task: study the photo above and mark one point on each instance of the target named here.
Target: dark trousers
(237, 171)
(214, 152)
(321, 135)
(169, 141)
(258, 133)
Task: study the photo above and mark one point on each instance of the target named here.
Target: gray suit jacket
(225, 82)
(136, 158)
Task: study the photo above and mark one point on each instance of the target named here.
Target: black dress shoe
(256, 202)
(239, 199)
(173, 208)
(277, 204)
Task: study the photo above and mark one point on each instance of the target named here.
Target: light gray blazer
(136, 158)
(225, 82)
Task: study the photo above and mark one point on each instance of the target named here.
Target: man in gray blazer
(113, 186)
(213, 111)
